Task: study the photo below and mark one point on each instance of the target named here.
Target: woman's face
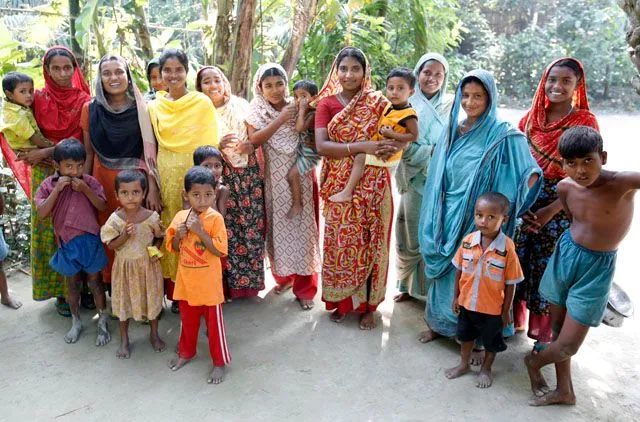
(475, 99)
(114, 77)
(350, 74)
(274, 89)
(431, 78)
(561, 84)
(174, 74)
(156, 80)
(212, 85)
(61, 71)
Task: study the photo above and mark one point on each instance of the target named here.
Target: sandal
(538, 347)
(175, 307)
(63, 309)
(304, 306)
(86, 301)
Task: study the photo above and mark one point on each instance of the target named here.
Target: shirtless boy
(578, 276)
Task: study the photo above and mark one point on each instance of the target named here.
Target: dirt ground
(289, 364)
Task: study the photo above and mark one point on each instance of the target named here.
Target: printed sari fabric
(491, 156)
(535, 249)
(245, 219)
(357, 233)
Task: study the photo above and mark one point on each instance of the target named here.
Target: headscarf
(262, 113)
(121, 138)
(432, 119)
(57, 109)
(491, 156)
(543, 137)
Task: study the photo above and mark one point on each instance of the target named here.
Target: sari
(410, 179)
(357, 233)
(57, 112)
(292, 244)
(180, 127)
(121, 139)
(491, 156)
(535, 249)
(243, 271)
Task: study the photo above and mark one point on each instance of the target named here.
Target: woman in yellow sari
(182, 121)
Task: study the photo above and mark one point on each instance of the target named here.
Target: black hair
(473, 79)
(404, 73)
(579, 141)
(308, 86)
(198, 175)
(58, 52)
(69, 149)
(173, 53)
(354, 52)
(496, 198)
(153, 63)
(204, 152)
(429, 61)
(130, 176)
(11, 80)
(272, 71)
(571, 64)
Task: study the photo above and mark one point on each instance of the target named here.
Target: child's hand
(193, 224)
(79, 185)
(303, 105)
(181, 231)
(455, 307)
(386, 131)
(507, 319)
(535, 221)
(62, 183)
(130, 229)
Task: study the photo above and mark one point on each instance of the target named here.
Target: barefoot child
(135, 233)
(211, 158)
(398, 122)
(487, 270)
(5, 298)
(577, 279)
(73, 200)
(303, 93)
(199, 236)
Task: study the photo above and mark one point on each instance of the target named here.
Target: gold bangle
(349, 149)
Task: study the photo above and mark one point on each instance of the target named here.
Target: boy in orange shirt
(487, 270)
(200, 237)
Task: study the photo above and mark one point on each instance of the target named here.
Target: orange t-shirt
(199, 276)
(485, 274)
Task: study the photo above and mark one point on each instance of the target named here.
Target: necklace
(341, 98)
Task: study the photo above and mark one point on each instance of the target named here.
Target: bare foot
(124, 351)
(341, 197)
(554, 397)
(485, 378)
(157, 343)
(477, 357)
(367, 321)
(76, 328)
(293, 212)
(337, 317)
(104, 336)
(11, 303)
(305, 304)
(279, 289)
(177, 363)
(539, 385)
(401, 297)
(457, 371)
(427, 336)
(216, 376)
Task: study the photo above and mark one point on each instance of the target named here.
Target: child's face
(114, 77)
(213, 164)
(585, 170)
(130, 195)
(474, 100)
(300, 94)
(70, 167)
(201, 197)
(212, 85)
(174, 74)
(157, 83)
(561, 84)
(274, 89)
(489, 218)
(22, 94)
(398, 91)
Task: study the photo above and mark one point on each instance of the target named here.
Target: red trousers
(305, 287)
(190, 317)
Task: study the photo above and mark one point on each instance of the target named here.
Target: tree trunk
(632, 9)
(140, 29)
(222, 52)
(243, 48)
(304, 13)
(74, 11)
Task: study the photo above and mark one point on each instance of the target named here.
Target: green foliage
(17, 217)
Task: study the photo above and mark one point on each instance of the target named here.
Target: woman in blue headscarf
(473, 156)
(433, 105)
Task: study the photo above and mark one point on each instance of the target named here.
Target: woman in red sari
(357, 233)
(560, 102)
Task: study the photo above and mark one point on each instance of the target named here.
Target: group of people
(183, 186)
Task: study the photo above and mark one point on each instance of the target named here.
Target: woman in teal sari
(433, 105)
(474, 156)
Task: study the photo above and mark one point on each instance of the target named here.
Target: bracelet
(349, 149)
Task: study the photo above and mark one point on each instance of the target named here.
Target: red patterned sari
(357, 233)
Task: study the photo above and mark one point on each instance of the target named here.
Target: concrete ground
(289, 364)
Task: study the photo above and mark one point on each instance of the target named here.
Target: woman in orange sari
(357, 233)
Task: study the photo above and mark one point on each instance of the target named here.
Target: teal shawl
(491, 156)
(432, 119)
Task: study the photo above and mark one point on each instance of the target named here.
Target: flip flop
(63, 309)
(304, 306)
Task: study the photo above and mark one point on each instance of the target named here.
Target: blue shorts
(82, 253)
(4, 248)
(579, 279)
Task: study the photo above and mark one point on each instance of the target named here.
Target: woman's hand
(288, 112)
(34, 157)
(245, 147)
(386, 148)
(154, 202)
(228, 141)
